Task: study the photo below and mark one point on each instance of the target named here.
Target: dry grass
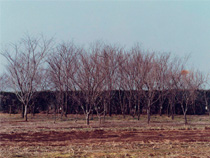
(117, 137)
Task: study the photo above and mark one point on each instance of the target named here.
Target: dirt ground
(116, 137)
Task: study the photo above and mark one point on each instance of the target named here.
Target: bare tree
(138, 75)
(162, 70)
(189, 84)
(127, 76)
(205, 93)
(129, 83)
(206, 100)
(110, 55)
(89, 80)
(150, 82)
(175, 66)
(121, 81)
(25, 60)
(61, 69)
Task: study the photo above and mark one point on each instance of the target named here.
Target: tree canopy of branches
(25, 63)
(62, 67)
(92, 77)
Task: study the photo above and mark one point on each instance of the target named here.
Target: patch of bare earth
(69, 139)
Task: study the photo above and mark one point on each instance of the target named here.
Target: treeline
(45, 102)
(102, 79)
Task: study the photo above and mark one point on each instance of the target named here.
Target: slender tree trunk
(139, 107)
(168, 110)
(48, 110)
(33, 110)
(148, 115)
(66, 104)
(99, 119)
(88, 118)
(91, 115)
(55, 113)
(184, 110)
(161, 106)
(104, 114)
(25, 113)
(148, 112)
(139, 111)
(110, 109)
(62, 106)
(123, 113)
(22, 111)
(122, 104)
(172, 110)
(130, 106)
(10, 109)
(185, 118)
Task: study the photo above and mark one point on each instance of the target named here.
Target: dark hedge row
(46, 102)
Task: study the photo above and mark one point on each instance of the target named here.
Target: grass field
(116, 137)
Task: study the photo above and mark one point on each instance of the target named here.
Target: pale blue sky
(179, 27)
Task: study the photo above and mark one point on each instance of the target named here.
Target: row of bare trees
(35, 64)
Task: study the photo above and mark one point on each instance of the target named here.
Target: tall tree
(139, 75)
(89, 79)
(150, 82)
(62, 66)
(25, 61)
(110, 55)
(162, 70)
(189, 84)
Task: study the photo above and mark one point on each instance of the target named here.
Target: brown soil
(17, 135)
(96, 136)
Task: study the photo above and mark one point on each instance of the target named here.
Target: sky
(178, 27)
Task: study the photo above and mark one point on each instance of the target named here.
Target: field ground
(116, 137)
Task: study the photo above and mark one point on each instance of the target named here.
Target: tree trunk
(185, 118)
(55, 111)
(10, 109)
(161, 107)
(172, 116)
(130, 106)
(110, 110)
(139, 112)
(148, 115)
(172, 111)
(88, 118)
(105, 109)
(91, 115)
(168, 111)
(104, 116)
(25, 113)
(148, 111)
(123, 113)
(66, 104)
(99, 119)
(22, 111)
(33, 110)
